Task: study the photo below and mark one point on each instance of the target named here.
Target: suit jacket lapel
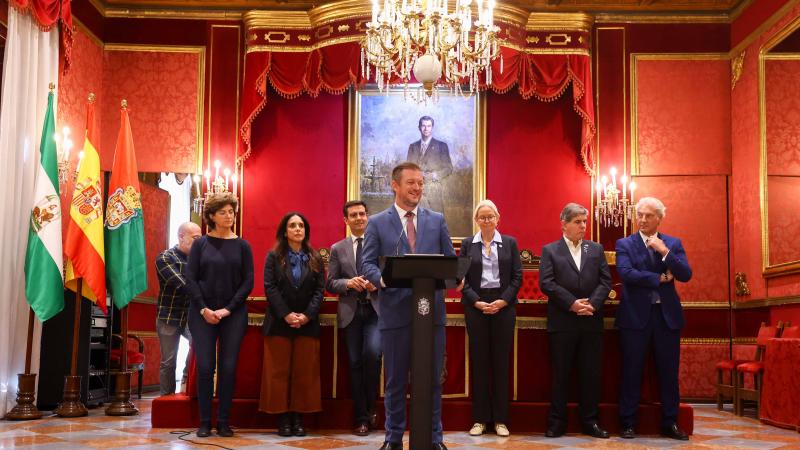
(584, 254)
(398, 226)
(350, 254)
(422, 216)
(642, 250)
(566, 254)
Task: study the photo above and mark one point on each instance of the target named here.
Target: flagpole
(122, 405)
(71, 405)
(25, 409)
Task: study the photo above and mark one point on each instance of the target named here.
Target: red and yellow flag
(83, 246)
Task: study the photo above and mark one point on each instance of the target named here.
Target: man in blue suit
(405, 228)
(649, 263)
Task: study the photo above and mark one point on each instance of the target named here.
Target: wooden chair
(135, 358)
(755, 368)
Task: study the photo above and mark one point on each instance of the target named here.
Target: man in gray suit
(357, 314)
(434, 158)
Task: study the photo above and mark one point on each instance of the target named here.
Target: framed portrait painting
(446, 138)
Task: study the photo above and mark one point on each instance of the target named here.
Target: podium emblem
(423, 306)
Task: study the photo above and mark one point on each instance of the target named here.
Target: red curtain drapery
(335, 68)
(48, 13)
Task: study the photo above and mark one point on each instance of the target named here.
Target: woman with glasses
(489, 297)
(219, 278)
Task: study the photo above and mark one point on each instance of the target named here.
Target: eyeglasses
(487, 218)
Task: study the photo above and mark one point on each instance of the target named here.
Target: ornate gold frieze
(343, 28)
(277, 37)
(546, 21)
(532, 39)
(284, 20)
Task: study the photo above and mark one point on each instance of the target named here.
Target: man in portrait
(433, 156)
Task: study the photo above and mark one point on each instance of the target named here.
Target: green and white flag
(44, 279)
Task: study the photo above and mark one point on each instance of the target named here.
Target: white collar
(495, 238)
(570, 244)
(426, 142)
(354, 237)
(402, 212)
(645, 237)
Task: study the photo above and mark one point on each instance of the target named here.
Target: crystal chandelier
(423, 36)
(613, 210)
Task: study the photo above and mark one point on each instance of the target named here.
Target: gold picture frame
(401, 116)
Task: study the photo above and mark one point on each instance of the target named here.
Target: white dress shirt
(575, 251)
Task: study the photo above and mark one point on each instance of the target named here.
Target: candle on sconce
(632, 187)
(227, 173)
(613, 172)
(80, 158)
(234, 183)
(208, 180)
(599, 187)
(374, 11)
(217, 165)
(196, 179)
(604, 179)
(624, 181)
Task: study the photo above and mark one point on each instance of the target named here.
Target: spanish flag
(83, 246)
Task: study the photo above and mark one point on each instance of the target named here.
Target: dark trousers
(229, 332)
(491, 337)
(396, 345)
(364, 356)
(667, 348)
(565, 348)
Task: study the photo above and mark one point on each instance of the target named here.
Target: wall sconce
(217, 185)
(614, 207)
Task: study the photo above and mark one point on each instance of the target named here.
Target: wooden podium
(424, 274)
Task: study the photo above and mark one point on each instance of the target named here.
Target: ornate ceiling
(720, 10)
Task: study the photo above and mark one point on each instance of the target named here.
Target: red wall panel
(782, 114)
(162, 92)
(683, 126)
(155, 207)
(696, 215)
(697, 374)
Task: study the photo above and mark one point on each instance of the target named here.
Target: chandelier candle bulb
(227, 173)
(196, 179)
(624, 181)
(208, 179)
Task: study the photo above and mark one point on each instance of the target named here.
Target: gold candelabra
(614, 208)
(217, 185)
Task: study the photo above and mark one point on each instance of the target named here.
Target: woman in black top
(294, 281)
(220, 277)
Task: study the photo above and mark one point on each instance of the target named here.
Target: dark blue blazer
(641, 278)
(385, 237)
(510, 270)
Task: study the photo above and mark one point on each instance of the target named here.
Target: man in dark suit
(575, 277)
(357, 314)
(649, 262)
(433, 156)
(405, 227)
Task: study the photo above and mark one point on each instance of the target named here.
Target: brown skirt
(290, 375)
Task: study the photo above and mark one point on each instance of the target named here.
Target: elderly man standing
(173, 303)
(650, 311)
(574, 274)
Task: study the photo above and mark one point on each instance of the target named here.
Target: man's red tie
(411, 232)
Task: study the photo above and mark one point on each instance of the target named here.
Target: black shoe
(204, 430)
(673, 432)
(391, 446)
(297, 425)
(596, 431)
(284, 425)
(554, 432)
(438, 446)
(224, 430)
(627, 433)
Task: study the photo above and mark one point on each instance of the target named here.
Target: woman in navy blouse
(294, 280)
(220, 277)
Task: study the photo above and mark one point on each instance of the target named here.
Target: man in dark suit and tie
(357, 314)
(433, 156)
(575, 277)
(650, 311)
(403, 228)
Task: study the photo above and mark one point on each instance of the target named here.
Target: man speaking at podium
(401, 229)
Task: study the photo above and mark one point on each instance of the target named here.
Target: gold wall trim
(634, 88)
(723, 304)
(145, 300)
(705, 341)
(661, 18)
(184, 14)
(755, 34)
(767, 302)
(276, 19)
(201, 81)
(557, 21)
(743, 341)
(788, 267)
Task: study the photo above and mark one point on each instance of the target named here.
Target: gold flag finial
(91, 97)
(124, 104)
(52, 86)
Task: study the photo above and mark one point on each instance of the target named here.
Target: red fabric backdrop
(47, 13)
(335, 68)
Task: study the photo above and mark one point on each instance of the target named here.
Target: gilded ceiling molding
(661, 18)
(276, 19)
(538, 21)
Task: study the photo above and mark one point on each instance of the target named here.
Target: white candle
(208, 180)
(235, 183)
(196, 179)
(633, 188)
(217, 164)
(614, 177)
(80, 158)
(599, 187)
(624, 180)
(374, 11)
(227, 173)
